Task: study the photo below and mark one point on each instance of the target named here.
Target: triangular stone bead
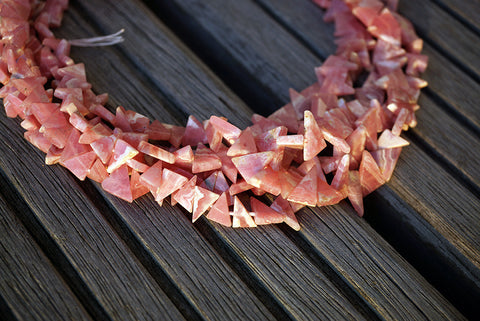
(219, 212)
(264, 214)
(241, 217)
(245, 144)
(118, 184)
(306, 191)
(313, 137)
(202, 201)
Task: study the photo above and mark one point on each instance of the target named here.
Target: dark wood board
(264, 255)
(465, 11)
(223, 37)
(446, 141)
(349, 244)
(452, 210)
(30, 286)
(192, 73)
(453, 90)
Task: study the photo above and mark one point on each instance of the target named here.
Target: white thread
(108, 40)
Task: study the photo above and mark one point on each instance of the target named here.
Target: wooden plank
(436, 258)
(177, 246)
(226, 35)
(452, 210)
(351, 246)
(455, 90)
(351, 249)
(468, 11)
(379, 298)
(445, 32)
(29, 284)
(459, 147)
(101, 270)
(269, 263)
(144, 33)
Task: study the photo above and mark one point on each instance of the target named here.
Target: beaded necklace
(330, 142)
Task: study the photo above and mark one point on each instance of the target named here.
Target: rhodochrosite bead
(332, 141)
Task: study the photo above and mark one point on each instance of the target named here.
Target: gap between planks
(445, 34)
(143, 252)
(30, 284)
(466, 12)
(442, 268)
(55, 255)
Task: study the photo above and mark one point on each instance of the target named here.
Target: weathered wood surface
(465, 11)
(114, 260)
(30, 284)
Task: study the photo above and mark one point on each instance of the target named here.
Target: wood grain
(465, 10)
(437, 130)
(185, 78)
(219, 29)
(266, 256)
(452, 210)
(456, 91)
(438, 260)
(29, 283)
(370, 265)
